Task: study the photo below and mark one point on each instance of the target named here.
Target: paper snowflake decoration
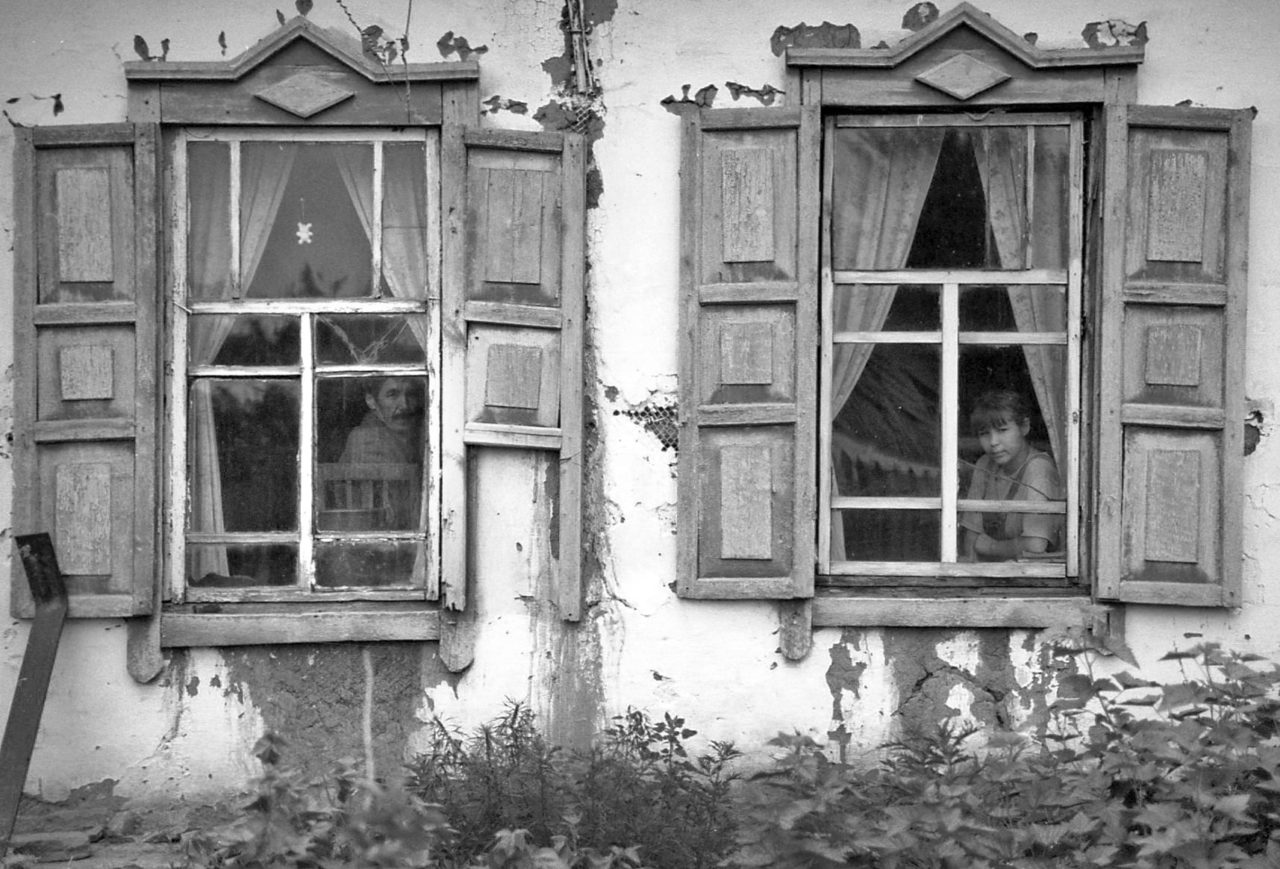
(304, 233)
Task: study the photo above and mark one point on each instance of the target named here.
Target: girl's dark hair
(997, 407)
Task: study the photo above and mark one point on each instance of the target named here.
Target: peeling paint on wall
(934, 681)
(659, 419)
(1113, 32)
(502, 104)
(578, 104)
(843, 675)
(1258, 412)
(919, 17)
(450, 44)
(702, 99)
(765, 94)
(824, 35)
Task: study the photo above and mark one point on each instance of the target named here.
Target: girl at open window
(1010, 469)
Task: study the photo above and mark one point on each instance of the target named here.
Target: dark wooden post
(50, 596)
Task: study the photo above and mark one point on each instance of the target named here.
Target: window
(247, 398)
(307, 365)
(943, 257)
(952, 266)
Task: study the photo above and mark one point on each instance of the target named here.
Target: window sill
(842, 608)
(258, 625)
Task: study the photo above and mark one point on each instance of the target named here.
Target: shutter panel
(748, 329)
(85, 306)
(515, 305)
(1172, 333)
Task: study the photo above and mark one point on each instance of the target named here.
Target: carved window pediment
(964, 57)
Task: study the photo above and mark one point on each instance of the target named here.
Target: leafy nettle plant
(1131, 773)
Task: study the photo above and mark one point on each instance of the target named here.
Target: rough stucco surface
(317, 697)
(715, 663)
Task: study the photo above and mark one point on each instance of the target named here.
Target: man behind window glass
(390, 431)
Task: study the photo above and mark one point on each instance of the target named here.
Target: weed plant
(499, 798)
(1129, 774)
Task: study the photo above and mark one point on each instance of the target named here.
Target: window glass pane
(208, 220)
(232, 339)
(348, 339)
(368, 496)
(880, 307)
(886, 423)
(1052, 187)
(1013, 309)
(306, 217)
(242, 455)
(887, 535)
(241, 565)
(405, 270)
(1000, 158)
(949, 197)
(1013, 438)
(369, 450)
(879, 181)
(952, 229)
(369, 564)
(370, 420)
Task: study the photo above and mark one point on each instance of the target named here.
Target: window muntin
(951, 261)
(310, 283)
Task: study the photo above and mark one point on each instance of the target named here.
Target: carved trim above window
(965, 55)
(300, 73)
(963, 76)
(304, 94)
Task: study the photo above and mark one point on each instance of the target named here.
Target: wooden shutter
(748, 328)
(85, 307)
(1171, 415)
(514, 306)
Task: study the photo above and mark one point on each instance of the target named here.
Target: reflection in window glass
(910, 308)
(241, 565)
(405, 270)
(886, 424)
(242, 455)
(209, 220)
(1052, 195)
(242, 339)
(888, 535)
(1041, 308)
(348, 339)
(345, 564)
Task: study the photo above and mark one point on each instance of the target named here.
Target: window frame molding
(951, 340)
(440, 96)
(175, 333)
(879, 80)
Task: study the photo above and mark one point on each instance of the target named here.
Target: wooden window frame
(317, 83)
(181, 308)
(895, 80)
(944, 573)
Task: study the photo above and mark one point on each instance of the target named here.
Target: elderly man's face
(396, 404)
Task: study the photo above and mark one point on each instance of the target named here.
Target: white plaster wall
(714, 663)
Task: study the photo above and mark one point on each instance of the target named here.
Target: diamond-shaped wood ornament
(963, 76)
(304, 94)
